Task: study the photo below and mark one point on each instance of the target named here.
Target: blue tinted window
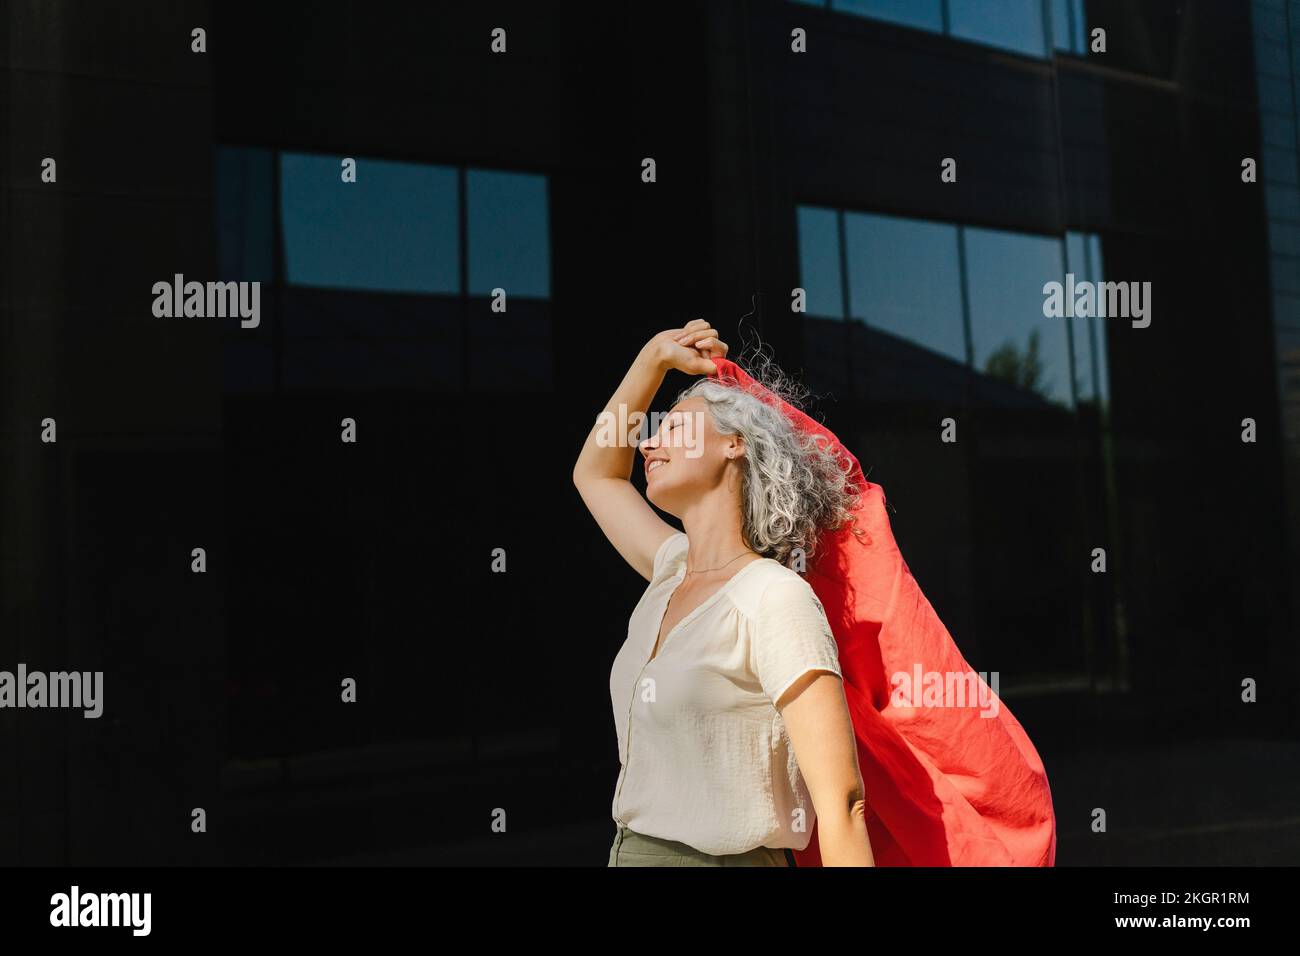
(1076, 264)
(1068, 31)
(1015, 25)
(509, 233)
(925, 14)
(819, 260)
(905, 278)
(1013, 340)
(243, 199)
(1098, 326)
(1061, 26)
(1009, 24)
(395, 229)
(1080, 33)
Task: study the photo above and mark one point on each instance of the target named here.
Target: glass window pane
(1007, 24)
(243, 198)
(1061, 26)
(395, 229)
(1083, 259)
(925, 14)
(1014, 341)
(509, 233)
(1076, 257)
(1099, 325)
(905, 278)
(819, 261)
(1076, 264)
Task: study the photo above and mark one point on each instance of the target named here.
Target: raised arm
(603, 470)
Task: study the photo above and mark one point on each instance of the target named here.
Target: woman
(734, 733)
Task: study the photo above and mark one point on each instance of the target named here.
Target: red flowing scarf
(945, 785)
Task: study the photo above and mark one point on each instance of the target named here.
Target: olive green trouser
(636, 849)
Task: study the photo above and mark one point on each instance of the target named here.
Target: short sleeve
(670, 552)
(791, 636)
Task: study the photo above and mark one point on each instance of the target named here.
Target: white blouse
(705, 756)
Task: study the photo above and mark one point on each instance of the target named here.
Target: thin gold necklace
(721, 566)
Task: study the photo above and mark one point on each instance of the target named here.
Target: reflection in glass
(1016, 25)
(1013, 341)
(395, 229)
(925, 14)
(1099, 325)
(1008, 24)
(1069, 32)
(1083, 259)
(819, 260)
(905, 278)
(509, 233)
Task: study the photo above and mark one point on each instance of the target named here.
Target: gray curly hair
(794, 485)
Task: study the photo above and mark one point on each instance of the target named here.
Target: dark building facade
(801, 187)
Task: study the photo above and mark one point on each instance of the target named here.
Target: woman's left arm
(816, 717)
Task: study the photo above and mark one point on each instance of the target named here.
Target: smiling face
(687, 457)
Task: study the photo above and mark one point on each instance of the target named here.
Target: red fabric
(945, 786)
